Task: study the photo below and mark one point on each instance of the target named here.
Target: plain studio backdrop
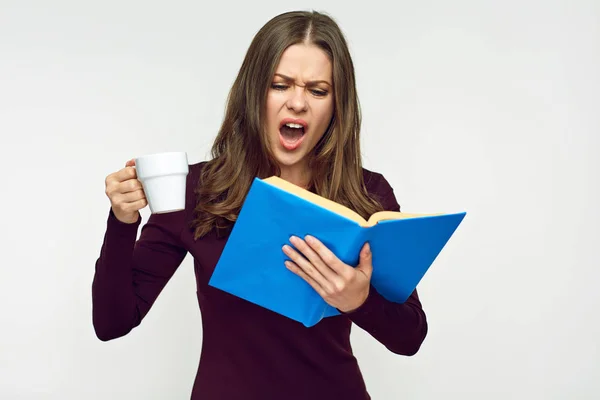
(483, 106)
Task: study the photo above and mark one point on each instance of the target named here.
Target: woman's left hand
(341, 285)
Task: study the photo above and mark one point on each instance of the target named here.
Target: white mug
(163, 177)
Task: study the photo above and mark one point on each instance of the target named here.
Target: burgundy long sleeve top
(248, 352)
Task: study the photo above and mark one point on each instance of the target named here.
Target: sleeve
(129, 275)
(401, 328)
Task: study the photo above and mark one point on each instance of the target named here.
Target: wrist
(363, 298)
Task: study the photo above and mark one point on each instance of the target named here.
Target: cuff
(120, 228)
(373, 302)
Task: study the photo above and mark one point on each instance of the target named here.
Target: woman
(292, 111)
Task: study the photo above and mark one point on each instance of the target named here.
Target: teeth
(297, 126)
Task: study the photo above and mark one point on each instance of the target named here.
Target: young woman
(292, 111)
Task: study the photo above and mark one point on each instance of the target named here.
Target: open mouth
(292, 133)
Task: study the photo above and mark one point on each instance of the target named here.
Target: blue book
(252, 266)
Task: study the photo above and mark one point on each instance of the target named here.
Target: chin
(286, 159)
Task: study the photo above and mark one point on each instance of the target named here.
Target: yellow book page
(316, 199)
(393, 215)
(338, 208)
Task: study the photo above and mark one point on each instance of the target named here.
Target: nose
(297, 100)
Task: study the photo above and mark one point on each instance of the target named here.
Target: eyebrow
(309, 83)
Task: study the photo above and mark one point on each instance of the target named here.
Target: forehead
(305, 62)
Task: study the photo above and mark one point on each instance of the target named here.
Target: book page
(394, 215)
(316, 199)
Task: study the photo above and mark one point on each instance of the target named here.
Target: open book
(336, 207)
(252, 263)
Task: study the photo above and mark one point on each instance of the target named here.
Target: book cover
(252, 263)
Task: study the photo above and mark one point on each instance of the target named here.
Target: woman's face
(299, 107)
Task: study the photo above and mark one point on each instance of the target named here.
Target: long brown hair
(241, 151)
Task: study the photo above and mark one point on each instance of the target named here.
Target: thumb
(366, 260)
(130, 163)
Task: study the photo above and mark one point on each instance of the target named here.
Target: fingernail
(368, 249)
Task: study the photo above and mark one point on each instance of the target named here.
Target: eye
(279, 86)
(319, 92)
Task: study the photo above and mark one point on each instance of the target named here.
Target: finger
(130, 185)
(141, 203)
(115, 188)
(133, 206)
(327, 255)
(366, 261)
(125, 174)
(306, 266)
(130, 197)
(314, 258)
(130, 163)
(298, 271)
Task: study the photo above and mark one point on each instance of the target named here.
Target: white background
(484, 106)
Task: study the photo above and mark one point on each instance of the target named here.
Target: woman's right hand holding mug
(126, 193)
